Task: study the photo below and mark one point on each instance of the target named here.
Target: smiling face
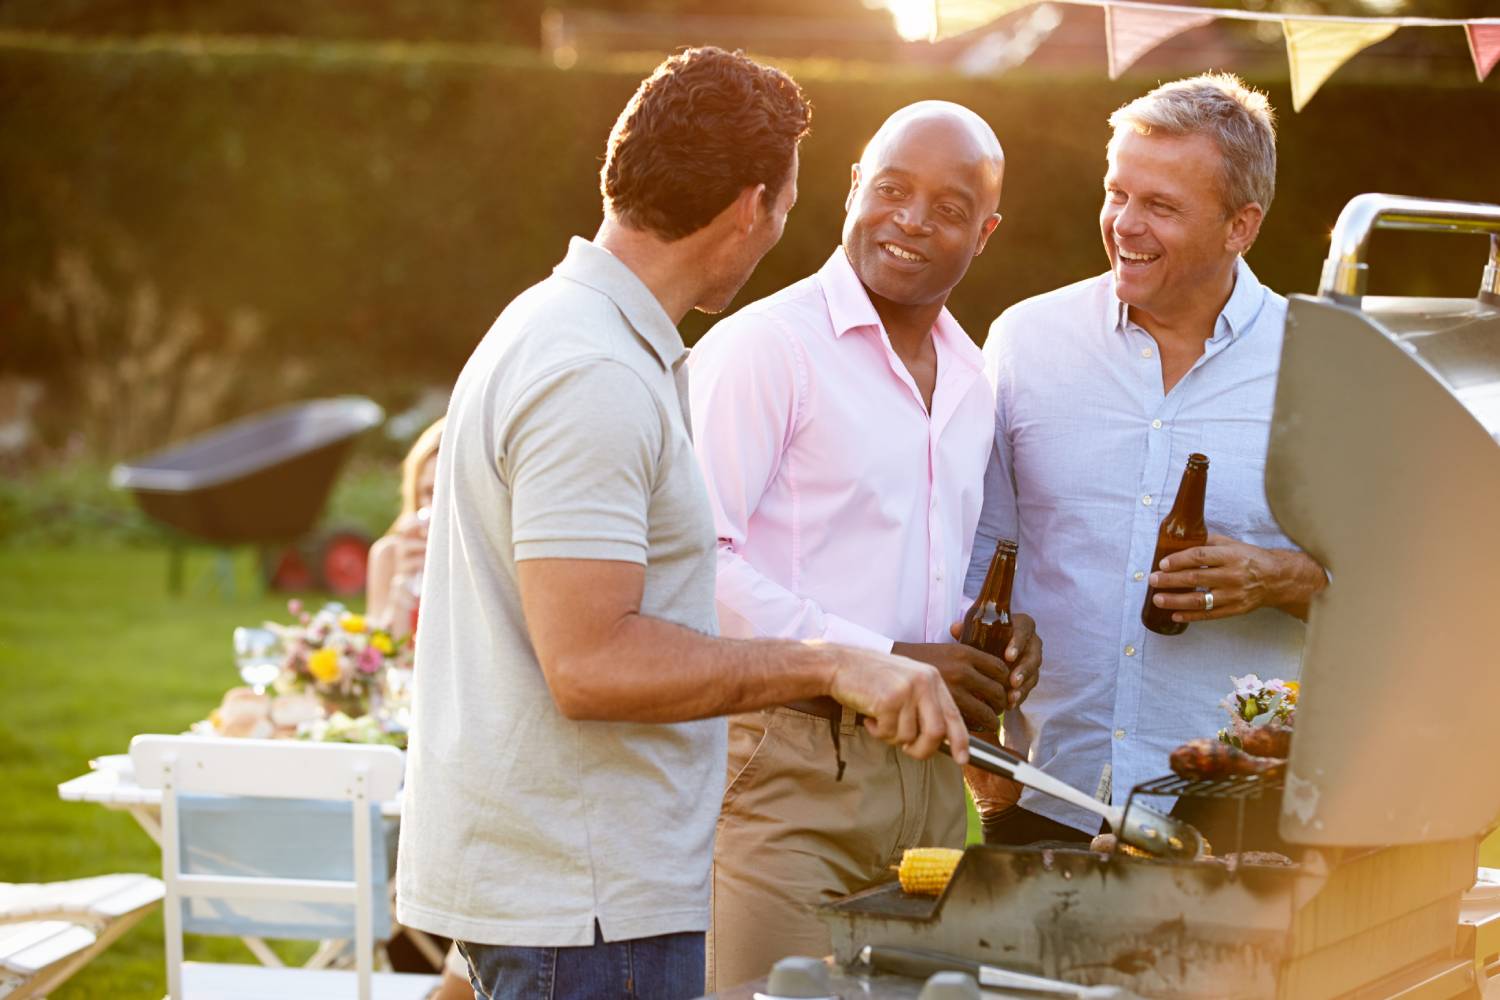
(1170, 242)
(921, 206)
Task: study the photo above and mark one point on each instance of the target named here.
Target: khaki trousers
(791, 838)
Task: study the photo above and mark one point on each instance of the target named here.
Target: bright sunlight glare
(915, 19)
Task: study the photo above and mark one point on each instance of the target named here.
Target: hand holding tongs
(1140, 826)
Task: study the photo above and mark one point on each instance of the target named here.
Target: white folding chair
(274, 839)
(50, 930)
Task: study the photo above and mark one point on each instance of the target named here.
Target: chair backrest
(282, 769)
(271, 838)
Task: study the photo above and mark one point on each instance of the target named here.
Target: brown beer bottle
(1182, 529)
(987, 626)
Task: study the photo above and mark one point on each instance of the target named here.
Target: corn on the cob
(925, 871)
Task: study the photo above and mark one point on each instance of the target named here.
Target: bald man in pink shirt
(843, 426)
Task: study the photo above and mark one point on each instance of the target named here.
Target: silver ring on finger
(1208, 600)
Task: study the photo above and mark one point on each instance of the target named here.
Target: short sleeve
(579, 455)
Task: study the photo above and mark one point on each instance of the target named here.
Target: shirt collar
(850, 308)
(1237, 316)
(590, 264)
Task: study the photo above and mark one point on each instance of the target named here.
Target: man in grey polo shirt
(566, 764)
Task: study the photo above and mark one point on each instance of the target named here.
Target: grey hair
(1219, 105)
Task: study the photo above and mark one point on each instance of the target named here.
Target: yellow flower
(382, 642)
(324, 666)
(353, 624)
(1293, 689)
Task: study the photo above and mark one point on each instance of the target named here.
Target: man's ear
(748, 207)
(1244, 227)
(853, 186)
(984, 232)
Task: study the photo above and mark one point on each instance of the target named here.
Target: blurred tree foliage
(371, 208)
(513, 22)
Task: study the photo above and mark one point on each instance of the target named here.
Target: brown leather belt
(824, 708)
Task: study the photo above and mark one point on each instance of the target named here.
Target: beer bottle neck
(1190, 493)
(1001, 576)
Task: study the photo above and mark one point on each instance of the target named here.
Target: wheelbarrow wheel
(343, 557)
(287, 569)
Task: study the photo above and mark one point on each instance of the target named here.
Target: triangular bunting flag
(1131, 32)
(1315, 49)
(1484, 46)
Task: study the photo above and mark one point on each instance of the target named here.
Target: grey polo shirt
(566, 438)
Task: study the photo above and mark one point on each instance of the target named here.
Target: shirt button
(1119, 734)
(1145, 352)
(1146, 499)
(1129, 650)
(1156, 425)
(1138, 575)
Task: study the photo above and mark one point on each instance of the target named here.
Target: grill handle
(919, 963)
(1345, 272)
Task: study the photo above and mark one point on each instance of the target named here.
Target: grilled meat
(1268, 741)
(1210, 760)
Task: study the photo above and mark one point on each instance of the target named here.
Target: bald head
(921, 205)
(963, 135)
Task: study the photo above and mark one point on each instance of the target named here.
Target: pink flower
(294, 606)
(370, 660)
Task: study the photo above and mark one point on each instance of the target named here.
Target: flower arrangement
(1255, 703)
(331, 676)
(341, 728)
(337, 656)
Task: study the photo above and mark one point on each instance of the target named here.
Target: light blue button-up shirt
(1089, 452)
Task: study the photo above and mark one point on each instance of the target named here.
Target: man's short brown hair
(705, 125)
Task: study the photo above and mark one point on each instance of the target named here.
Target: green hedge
(375, 206)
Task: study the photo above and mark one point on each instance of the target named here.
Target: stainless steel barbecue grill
(1383, 464)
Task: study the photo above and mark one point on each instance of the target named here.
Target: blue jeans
(667, 967)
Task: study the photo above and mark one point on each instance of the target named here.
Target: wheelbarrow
(262, 481)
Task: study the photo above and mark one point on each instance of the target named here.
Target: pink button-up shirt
(844, 510)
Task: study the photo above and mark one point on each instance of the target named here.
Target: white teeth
(1139, 258)
(896, 251)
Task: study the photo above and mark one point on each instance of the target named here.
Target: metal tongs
(1137, 825)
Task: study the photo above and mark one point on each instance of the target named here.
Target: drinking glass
(396, 703)
(257, 652)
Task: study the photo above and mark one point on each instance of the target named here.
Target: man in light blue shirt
(1103, 389)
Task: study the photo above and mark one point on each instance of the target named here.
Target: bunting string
(1316, 44)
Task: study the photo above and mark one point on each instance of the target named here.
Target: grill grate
(1240, 786)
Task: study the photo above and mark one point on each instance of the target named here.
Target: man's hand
(972, 675)
(975, 679)
(906, 702)
(1241, 577)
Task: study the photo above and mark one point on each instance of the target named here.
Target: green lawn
(92, 651)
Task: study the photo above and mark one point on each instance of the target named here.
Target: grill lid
(1383, 465)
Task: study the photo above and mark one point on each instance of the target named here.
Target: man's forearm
(652, 670)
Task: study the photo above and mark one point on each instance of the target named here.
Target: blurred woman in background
(393, 582)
